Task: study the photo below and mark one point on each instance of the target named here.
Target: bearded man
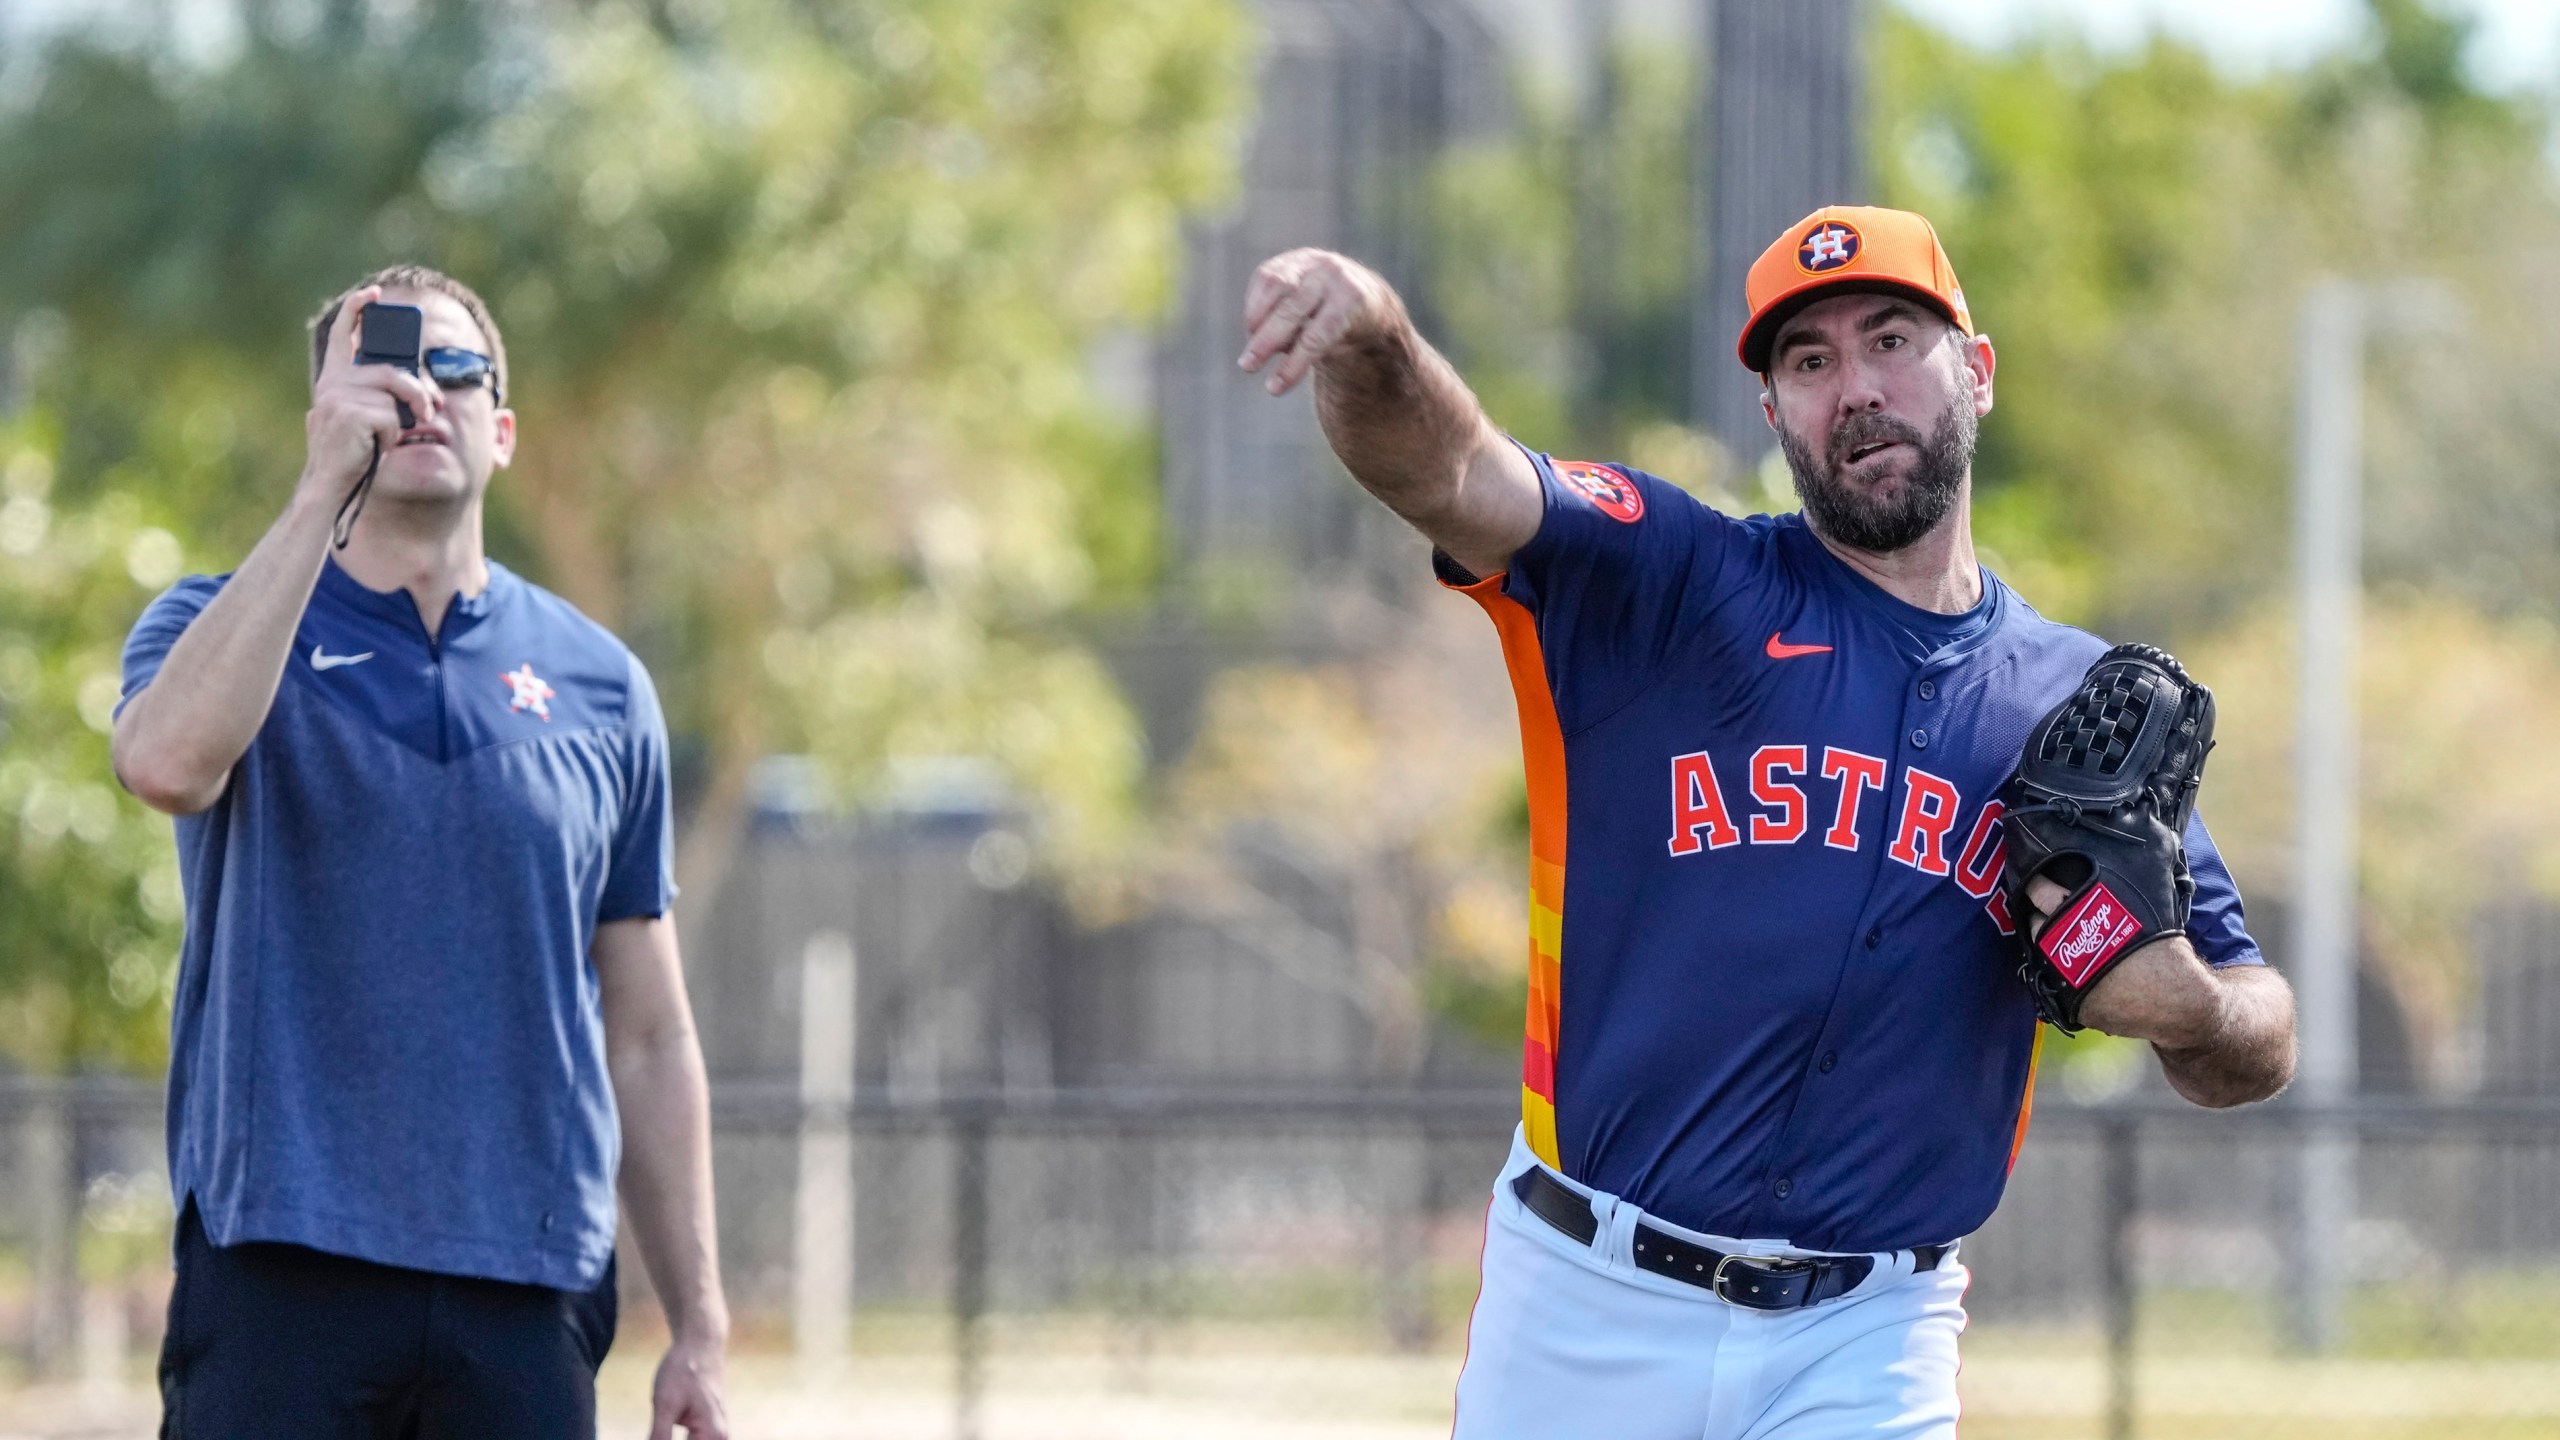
(1779, 1059)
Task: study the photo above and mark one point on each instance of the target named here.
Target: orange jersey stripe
(2027, 1101)
(1542, 756)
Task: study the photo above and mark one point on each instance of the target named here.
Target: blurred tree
(2443, 833)
(1380, 776)
(1561, 264)
(2135, 232)
(799, 300)
(89, 896)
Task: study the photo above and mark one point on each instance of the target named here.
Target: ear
(1980, 362)
(502, 450)
(1768, 403)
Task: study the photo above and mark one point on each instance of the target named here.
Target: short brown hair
(415, 277)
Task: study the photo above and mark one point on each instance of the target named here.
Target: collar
(337, 587)
(1974, 625)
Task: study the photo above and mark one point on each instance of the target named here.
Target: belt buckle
(1780, 1263)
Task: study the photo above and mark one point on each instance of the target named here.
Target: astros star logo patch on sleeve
(1613, 494)
(531, 693)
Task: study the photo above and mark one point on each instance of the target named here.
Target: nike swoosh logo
(323, 660)
(1780, 650)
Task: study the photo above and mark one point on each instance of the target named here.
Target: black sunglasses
(461, 369)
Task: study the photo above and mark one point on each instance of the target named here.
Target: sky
(2518, 44)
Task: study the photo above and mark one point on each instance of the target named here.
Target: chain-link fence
(1114, 1264)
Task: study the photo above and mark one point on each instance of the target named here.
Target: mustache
(1868, 426)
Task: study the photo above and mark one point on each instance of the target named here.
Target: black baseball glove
(2097, 806)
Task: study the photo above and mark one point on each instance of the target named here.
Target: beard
(1883, 524)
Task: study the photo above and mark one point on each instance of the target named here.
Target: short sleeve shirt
(1773, 989)
(387, 1041)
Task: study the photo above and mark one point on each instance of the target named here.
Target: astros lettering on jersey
(1772, 989)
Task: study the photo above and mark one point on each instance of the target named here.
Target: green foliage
(1474, 1000)
(89, 892)
(799, 301)
(2135, 233)
(1561, 262)
(1503, 246)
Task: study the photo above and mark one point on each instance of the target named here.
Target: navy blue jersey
(1773, 982)
(387, 1040)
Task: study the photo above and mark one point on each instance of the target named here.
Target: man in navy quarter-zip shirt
(430, 1007)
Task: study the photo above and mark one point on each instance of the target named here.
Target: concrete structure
(1785, 119)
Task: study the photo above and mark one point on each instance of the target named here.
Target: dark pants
(276, 1342)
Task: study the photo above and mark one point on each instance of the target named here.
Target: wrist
(2162, 993)
(706, 1328)
(302, 531)
(1383, 334)
(2197, 1024)
(311, 502)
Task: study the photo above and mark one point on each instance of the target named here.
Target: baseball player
(1779, 1058)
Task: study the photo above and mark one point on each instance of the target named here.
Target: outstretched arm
(1404, 424)
(2224, 1037)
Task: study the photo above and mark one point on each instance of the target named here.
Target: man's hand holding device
(371, 392)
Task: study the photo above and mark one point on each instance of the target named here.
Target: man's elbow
(167, 783)
(2246, 1080)
(2232, 1093)
(2279, 1072)
(641, 1054)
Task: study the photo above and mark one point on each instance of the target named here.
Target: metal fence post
(2329, 549)
(1404, 1277)
(2118, 1140)
(969, 1270)
(48, 1150)
(1135, 1289)
(822, 1239)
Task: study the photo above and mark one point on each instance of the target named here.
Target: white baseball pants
(1569, 1340)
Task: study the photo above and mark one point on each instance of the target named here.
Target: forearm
(1406, 427)
(2224, 1037)
(1404, 424)
(666, 1179)
(2248, 1055)
(174, 746)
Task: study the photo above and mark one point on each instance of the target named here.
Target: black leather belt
(1754, 1282)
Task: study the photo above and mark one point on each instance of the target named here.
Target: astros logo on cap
(1827, 246)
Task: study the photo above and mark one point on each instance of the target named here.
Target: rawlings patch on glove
(2097, 806)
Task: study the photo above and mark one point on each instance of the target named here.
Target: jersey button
(1928, 689)
(1875, 937)
(1783, 1188)
(1830, 1061)
(1919, 739)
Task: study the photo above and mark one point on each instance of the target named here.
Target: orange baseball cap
(1853, 248)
